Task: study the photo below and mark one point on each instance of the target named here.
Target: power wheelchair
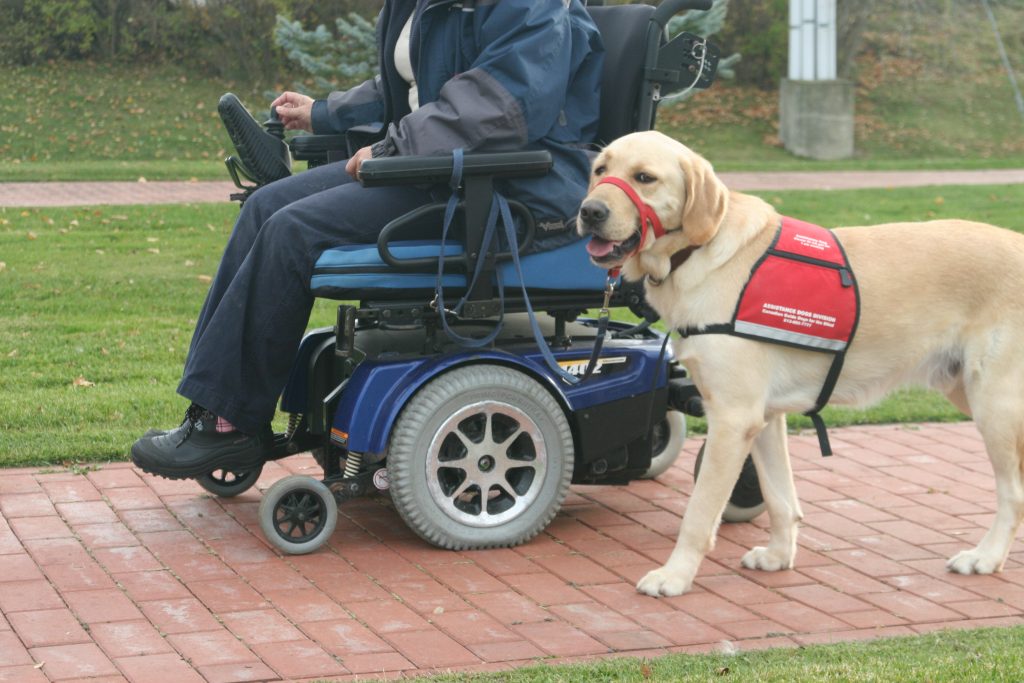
(477, 444)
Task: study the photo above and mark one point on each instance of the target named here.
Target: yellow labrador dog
(941, 306)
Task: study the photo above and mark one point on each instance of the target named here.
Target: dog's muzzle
(594, 214)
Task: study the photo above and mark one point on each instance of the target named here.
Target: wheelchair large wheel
(480, 457)
(746, 501)
(667, 444)
(298, 514)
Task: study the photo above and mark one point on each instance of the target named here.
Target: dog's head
(676, 183)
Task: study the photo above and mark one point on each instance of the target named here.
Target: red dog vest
(801, 293)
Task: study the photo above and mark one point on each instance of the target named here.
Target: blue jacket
(493, 75)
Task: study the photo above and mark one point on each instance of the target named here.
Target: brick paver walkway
(119, 575)
(172, 192)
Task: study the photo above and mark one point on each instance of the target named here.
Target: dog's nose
(593, 212)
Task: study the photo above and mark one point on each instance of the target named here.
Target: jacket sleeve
(342, 110)
(512, 94)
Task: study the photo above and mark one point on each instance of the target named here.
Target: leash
(499, 211)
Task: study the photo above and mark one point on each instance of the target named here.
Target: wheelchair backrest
(624, 30)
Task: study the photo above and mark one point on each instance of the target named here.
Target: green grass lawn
(931, 93)
(983, 655)
(85, 121)
(99, 304)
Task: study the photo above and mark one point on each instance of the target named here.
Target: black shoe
(193, 410)
(264, 156)
(196, 448)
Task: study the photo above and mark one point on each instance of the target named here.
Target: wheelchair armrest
(305, 146)
(322, 149)
(393, 230)
(416, 170)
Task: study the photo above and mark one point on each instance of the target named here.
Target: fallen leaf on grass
(13, 353)
(3, 266)
(204, 278)
(153, 250)
(142, 180)
(82, 382)
(31, 235)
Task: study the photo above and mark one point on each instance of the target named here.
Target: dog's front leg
(729, 439)
(775, 474)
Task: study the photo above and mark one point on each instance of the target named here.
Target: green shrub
(223, 38)
(37, 30)
(335, 59)
(758, 30)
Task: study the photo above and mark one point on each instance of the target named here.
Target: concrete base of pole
(816, 118)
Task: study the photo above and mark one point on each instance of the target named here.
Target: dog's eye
(644, 178)
(600, 170)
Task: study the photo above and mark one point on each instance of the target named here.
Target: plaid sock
(223, 426)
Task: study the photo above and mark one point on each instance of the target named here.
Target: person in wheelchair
(480, 75)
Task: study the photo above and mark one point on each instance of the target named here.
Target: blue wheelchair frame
(350, 383)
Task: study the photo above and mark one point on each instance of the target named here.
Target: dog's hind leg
(994, 403)
(730, 436)
(775, 474)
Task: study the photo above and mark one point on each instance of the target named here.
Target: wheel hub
(486, 464)
(299, 516)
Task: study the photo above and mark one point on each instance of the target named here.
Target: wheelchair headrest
(624, 33)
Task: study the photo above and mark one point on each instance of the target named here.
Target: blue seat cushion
(356, 270)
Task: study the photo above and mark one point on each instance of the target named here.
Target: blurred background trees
(226, 38)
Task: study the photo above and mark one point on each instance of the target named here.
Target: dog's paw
(664, 582)
(766, 560)
(973, 561)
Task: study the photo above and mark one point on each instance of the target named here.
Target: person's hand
(352, 167)
(295, 110)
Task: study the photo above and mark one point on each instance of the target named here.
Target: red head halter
(647, 214)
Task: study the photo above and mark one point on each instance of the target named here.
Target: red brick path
(174, 192)
(120, 576)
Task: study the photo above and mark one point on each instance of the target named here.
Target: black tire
(667, 444)
(228, 483)
(480, 457)
(746, 501)
(298, 514)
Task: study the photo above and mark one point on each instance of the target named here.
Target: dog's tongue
(598, 247)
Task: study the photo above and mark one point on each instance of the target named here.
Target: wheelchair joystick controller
(273, 125)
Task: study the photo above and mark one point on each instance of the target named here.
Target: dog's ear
(707, 199)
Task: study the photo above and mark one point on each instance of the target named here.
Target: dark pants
(258, 305)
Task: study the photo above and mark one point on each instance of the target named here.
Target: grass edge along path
(955, 656)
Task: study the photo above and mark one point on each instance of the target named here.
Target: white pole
(812, 40)
(826, 40)
(794, 40)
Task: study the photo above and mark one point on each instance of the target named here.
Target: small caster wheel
(746, 501)
(667, 444)
(298, 514)
(229, 483)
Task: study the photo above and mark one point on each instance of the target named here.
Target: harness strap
(718, 328)
(826, 393)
